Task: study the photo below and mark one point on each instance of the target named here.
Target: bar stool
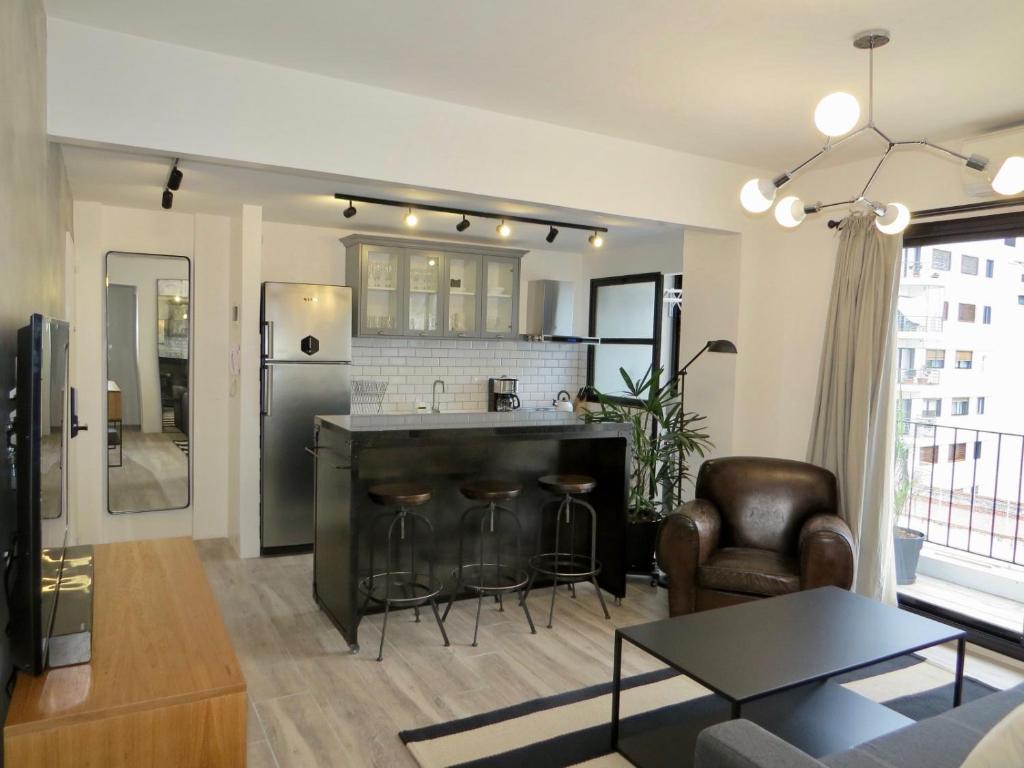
(498, 568)
(565, 565)
(395, 587)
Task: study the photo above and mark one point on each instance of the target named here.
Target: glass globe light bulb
(790, 211)
(836, 114)
(757, 195)
(894, 219)
(1010, 178)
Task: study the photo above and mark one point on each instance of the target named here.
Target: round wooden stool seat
(563, 484)
(491, 490)
(401, 494)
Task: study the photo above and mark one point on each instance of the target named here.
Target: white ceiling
(136, 180)
(734, 79)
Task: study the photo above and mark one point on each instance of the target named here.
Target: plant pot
(640, 541)
(908, 543)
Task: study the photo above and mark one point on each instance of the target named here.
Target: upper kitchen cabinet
(424, 299)
(417, 288)
(382, 281)
(501, 297)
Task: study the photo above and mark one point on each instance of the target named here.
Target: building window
(969, 265)
(957, 451)
(977, 449)
(1020, 299)
(932, 407)
(945, 308)
(980, 406)
(964, 359)
(935, 358)
(965, 312)
(1010, 241)
(941, 259)
(961, 405)
(986, 315)
(929, 454)
(990, 268)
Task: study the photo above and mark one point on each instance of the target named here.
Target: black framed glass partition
(626, 314)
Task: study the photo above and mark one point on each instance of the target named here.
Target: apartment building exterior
(960, 368)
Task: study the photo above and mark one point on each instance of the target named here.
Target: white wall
(205, 240)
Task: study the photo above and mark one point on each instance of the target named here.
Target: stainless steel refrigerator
(307, 354)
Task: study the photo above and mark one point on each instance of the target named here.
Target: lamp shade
(722, 345)
(790, 212)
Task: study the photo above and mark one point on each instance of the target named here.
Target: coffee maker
(501, 394)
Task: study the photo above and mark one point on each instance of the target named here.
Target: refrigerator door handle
(268, 390)
(268, 339)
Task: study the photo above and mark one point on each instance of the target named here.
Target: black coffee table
(770, 660)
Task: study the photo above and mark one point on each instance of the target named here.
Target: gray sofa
(943, 741)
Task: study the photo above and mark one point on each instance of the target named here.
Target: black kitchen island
(445, 451)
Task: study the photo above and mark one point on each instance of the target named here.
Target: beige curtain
(853, 426)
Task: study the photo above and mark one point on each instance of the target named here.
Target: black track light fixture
(552, 234)
(349, 212)
(463, 225)
(167, 200)
(174, 180)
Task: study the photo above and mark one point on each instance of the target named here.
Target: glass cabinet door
(423, 278)
(381, 311)
(463, 296)
(500, 310)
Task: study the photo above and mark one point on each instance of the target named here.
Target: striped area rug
(573, 729)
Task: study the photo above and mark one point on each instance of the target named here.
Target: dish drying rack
(368, 395)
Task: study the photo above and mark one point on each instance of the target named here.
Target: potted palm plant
(664, 436)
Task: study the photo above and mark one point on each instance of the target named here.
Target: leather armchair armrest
(686, 539)
(826, 553)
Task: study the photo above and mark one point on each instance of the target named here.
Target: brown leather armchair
(757, 528)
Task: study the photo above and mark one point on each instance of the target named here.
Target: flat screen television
(43, 425)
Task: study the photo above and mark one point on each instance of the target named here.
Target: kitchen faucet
(435, 407)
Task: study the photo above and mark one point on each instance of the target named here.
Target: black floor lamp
(715, 345)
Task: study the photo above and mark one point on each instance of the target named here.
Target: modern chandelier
(836, 116)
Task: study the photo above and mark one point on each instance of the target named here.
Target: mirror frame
(191, 380)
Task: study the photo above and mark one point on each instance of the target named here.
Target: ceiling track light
(167, 200)
(503, 229)
(349, 212)
(836, 116)
(174, 179)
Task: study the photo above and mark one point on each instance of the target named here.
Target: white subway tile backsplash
(410, 367)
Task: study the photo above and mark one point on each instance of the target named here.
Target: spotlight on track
(411, 219)
(349, 212)
(167, 200)
(463, 225)
(503, 229)
(552, 234)
(174, 180)
(596, 240)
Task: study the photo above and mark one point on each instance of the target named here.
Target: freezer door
(306, 322)
(292, 395)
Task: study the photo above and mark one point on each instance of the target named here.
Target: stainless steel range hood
(549, 312)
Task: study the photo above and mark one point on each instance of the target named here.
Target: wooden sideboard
(164, 687)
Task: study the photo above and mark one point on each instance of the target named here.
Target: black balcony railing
(963, 488)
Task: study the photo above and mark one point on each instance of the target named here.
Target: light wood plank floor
(312, 703)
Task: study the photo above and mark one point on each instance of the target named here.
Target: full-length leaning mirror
(149, 323)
